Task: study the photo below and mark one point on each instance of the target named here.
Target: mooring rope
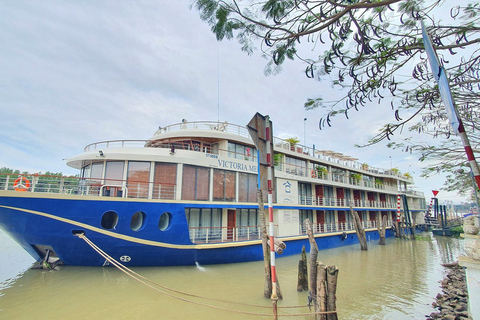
(144, 281)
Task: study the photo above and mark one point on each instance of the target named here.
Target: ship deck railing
(148, 190)
(245, 233)
(357, 203)
(90, 186)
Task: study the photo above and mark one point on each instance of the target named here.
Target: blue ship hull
(37, 222)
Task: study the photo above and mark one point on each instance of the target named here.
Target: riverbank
(452, 303)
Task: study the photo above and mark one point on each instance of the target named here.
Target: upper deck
(211, 137)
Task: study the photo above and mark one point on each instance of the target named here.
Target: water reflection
(396, 281)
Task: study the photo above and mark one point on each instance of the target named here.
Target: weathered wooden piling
(362, 238)
(323, 281)
(326, 291)
(302, 283)
(321, 284)
(332, 276)
(381, 227)
(412, 236)
(313, 258)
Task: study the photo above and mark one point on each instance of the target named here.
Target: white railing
(342, 202)
(226, 234)
(340, 226)
(206, 125)
(88, 187)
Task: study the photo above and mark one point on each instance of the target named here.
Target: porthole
(138, 220)
(164, 221)
(109, 220)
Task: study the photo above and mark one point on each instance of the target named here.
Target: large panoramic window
(195, 183)
(114, 173)
(138, 178)
(247, 187)
(96, 173)
(204, 224)
(164, 181)
(223, 185)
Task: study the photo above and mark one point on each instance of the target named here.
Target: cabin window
(114, 173)
(303, 215)
(248, 223)
(242, 152)
(138, 220)
(165, 180)
(223, 185)
(330, 220)
(96, 173)
(86, 171)
(247, 187)
(109, 220)
(138, 178)
(295, 166)
(204, 224)
(195, 183)
(305, 193)
(328, 196)
(164, 221)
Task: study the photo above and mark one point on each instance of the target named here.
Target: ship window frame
(109, 220)
(137, 222)
(162, 225)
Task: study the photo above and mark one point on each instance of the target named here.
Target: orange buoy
(21, 184)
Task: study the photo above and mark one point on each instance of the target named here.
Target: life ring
(21, 184)
(313, 174)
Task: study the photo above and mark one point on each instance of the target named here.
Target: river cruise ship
(188, 195)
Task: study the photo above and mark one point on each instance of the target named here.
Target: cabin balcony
(356, 203)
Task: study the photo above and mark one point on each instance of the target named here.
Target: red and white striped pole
(470, 156)
(398, 208)
(429, 213)
(270, 206)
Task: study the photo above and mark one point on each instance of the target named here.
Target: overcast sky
(77, 72)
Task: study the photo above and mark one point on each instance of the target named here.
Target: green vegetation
(456, 231)
(277, 159)
(356, 176)
(292, 141)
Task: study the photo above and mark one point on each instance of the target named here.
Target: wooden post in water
(323, 280)
(359, 229)
(413, 237)
(302, 283)
(313, 259)
(332, 276)
(381, 226)
(321, 301)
